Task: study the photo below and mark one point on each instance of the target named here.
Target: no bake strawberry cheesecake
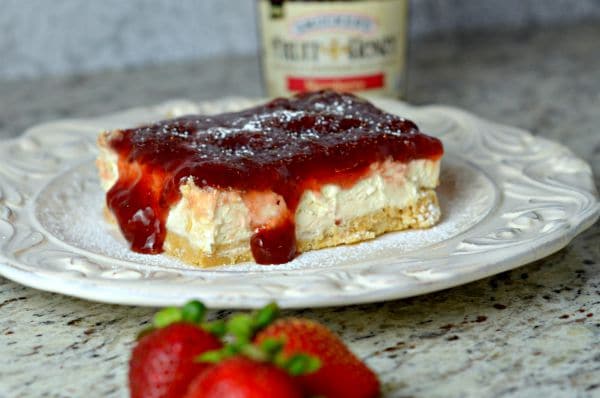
(267, 183)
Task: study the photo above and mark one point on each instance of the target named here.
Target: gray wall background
(46, 37)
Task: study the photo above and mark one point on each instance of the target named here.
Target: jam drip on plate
(285, 146)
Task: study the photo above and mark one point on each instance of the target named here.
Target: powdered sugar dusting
(70, 209)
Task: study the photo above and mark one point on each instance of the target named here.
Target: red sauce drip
(285, 146)
(274, 245)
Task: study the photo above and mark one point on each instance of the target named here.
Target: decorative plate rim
(547, 197)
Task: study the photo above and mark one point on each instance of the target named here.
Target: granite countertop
(534, 331)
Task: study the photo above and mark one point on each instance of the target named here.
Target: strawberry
(341, 373)
(249, 355)
(242, 377)
(162, 362)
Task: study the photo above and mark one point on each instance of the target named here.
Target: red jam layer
(285, 146)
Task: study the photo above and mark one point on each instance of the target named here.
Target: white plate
(507, 198)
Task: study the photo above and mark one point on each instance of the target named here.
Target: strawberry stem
(167, 316)
(264, 316)
(255, 353)
(241, 327)
(216, 328)
(193, 311)
(272, 346)
(300, 364)
(214, 356)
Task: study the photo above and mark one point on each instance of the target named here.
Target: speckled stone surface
(531, 332)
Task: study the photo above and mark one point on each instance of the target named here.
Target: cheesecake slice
(267, 183)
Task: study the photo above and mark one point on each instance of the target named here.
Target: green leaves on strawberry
(240, 330)
(269, 351)
(243, 327)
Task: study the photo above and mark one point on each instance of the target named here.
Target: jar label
(356, 46)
